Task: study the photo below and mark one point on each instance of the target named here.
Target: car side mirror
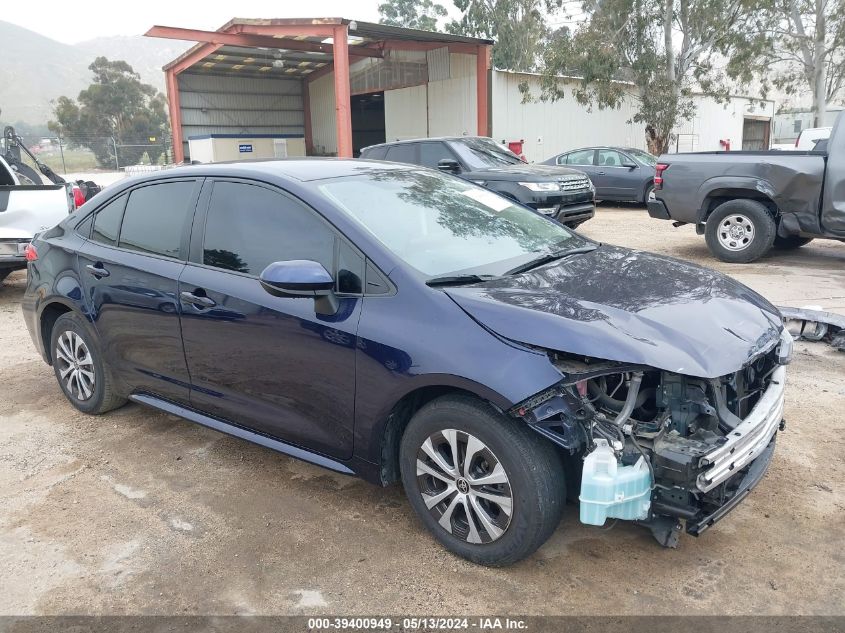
(449, 165)
(301, 278)
(630, 165)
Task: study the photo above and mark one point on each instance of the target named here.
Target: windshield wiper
(458, 280)
(550, 257)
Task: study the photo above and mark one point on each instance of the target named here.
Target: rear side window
(156, 218)
(581, 157)
(107, 222)
(404, 153)
(250, 227)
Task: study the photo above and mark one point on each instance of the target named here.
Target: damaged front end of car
(667, 450)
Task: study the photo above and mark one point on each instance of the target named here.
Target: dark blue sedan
(622, 174)
(398, 323)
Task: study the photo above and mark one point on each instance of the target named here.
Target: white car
(25, 210)
(806, 140)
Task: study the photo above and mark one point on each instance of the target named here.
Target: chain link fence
(73, 154)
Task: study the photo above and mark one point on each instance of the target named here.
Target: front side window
(610, 158)
(403, 153)
(432, 153)
(107, 222)
(156, 218)
(249, 227)
(440, 224)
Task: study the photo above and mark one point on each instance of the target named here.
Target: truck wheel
(4, 274)
(647, 194)
(791, 241)
(740, 231)
(488, 488)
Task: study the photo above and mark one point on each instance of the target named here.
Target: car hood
(629, 306)
(525, 172)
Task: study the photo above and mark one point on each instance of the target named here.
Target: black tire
(103, 396)
(534, 475)
(755, 231)
(4, 274)
(649, 188)
(791, 242)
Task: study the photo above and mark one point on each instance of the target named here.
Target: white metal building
(788, 125)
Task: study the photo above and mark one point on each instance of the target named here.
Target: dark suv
(396, 323)
(560, 192)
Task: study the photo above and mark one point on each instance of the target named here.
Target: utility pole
(62, 152)
(116, 161)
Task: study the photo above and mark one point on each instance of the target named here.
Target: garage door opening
(367, 120)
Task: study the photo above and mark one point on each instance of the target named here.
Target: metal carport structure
(306, 49)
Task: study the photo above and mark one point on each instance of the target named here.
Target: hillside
(37, 69)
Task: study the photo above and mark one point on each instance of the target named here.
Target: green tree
(116, 105)
(518, 27)
(664, 49)
(411, 14)
(808, 49)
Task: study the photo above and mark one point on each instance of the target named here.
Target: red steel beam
(482, 65)
(291, 30)
(247, 40)
(172, 86)
(343, 110)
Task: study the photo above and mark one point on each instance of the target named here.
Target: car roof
(301, 169)
(618, 148)
(423, 140)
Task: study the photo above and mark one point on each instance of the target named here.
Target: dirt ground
(140, 512)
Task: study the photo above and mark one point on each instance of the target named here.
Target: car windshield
(643, 157)
(440, 224)
(483, 153)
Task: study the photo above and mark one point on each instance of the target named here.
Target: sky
(104, 18)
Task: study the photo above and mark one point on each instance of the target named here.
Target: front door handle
(601, 173)
(197, 300)
(98, 270)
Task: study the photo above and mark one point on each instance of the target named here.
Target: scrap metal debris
(811, 323)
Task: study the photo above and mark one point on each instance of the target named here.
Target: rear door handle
(197, 300)
(98, 270)
(601, 173)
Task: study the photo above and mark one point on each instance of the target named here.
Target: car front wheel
(740, 231)
(489, 489)
(79, 368)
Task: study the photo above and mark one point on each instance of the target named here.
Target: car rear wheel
(740, 231)
(79, 368)
(791, 241)
(488, 489)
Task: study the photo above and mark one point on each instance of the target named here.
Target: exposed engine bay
(705, 441)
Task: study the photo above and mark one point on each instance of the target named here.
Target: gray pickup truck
(744, 203)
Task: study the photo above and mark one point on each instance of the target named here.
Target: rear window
(156, 218)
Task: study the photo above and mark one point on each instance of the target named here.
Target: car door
(269, 363)
(130, 267)
(616, 181)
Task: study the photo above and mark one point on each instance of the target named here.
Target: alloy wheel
(464, 486)
(75, 365)
(736, 232)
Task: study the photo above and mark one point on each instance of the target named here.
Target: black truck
(744, 203)
(560, 192)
